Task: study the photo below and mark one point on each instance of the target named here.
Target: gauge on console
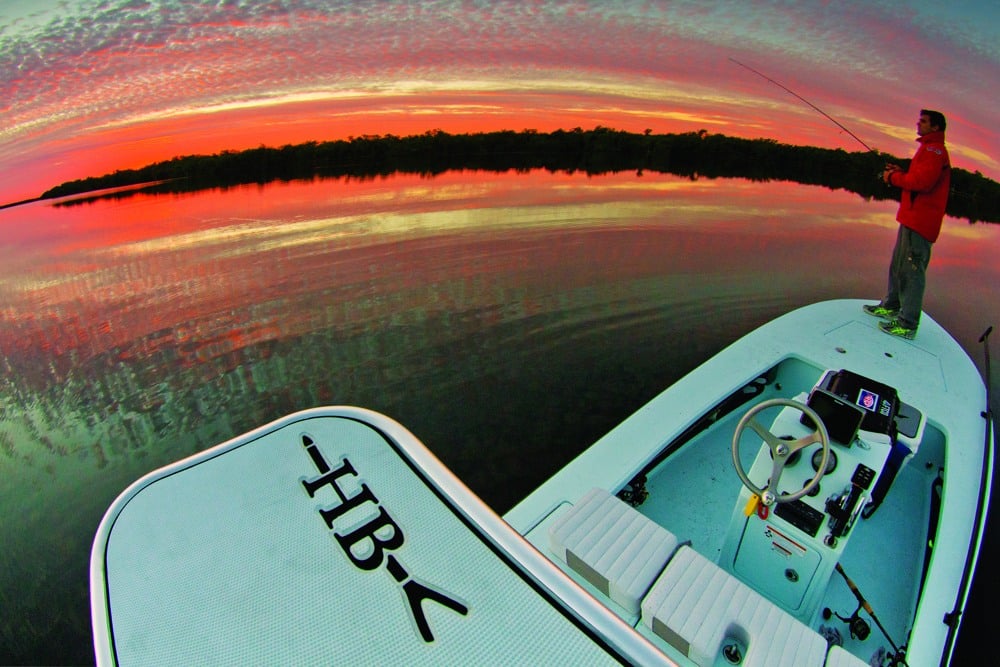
(831, 463)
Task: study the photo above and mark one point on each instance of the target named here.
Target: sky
(88, 87)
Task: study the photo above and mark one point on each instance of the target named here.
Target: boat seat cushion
(697, 607)
(839, 657)
(613, 546)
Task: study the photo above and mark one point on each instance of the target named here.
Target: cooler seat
(839, 657)
(697, 607)
(612, 546)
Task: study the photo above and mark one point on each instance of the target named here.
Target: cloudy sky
(89, 87)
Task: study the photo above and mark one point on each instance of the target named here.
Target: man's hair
(936, 118)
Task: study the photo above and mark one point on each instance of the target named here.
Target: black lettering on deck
(366, 532)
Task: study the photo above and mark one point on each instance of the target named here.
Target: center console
(789, 550)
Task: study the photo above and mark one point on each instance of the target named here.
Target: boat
(814, 494)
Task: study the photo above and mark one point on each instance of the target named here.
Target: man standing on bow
(925, 188)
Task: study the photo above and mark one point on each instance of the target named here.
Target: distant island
(599, 151)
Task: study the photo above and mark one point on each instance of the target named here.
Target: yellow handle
(751, 505)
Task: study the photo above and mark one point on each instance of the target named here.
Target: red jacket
(925, 187)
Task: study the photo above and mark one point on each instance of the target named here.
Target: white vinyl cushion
(613, 546)
(839, 657)
(695, 606)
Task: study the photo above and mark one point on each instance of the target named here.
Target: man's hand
(890, 169)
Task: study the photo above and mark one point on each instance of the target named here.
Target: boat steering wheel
(781, 450)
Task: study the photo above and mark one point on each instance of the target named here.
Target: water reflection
(508, 320)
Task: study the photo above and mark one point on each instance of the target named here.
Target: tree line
(599, 151)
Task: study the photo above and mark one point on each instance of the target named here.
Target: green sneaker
(894, 328)
(878, 310)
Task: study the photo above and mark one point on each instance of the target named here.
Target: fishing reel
(858, 627)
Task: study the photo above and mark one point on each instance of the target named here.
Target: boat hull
(932, 374)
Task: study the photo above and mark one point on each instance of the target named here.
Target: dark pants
(907, 276)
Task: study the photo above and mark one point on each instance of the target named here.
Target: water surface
(508, 320)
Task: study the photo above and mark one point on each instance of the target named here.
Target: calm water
(508, 320)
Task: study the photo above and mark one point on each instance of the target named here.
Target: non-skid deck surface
(693, 493)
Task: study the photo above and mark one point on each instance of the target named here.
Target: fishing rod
(792, 92)
(858, 626)
(830, 118)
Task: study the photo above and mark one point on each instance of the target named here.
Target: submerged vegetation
(598, 151)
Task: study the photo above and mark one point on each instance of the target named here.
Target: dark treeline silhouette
(598, 151)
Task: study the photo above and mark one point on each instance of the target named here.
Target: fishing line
(828, 117)
(792, 92)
